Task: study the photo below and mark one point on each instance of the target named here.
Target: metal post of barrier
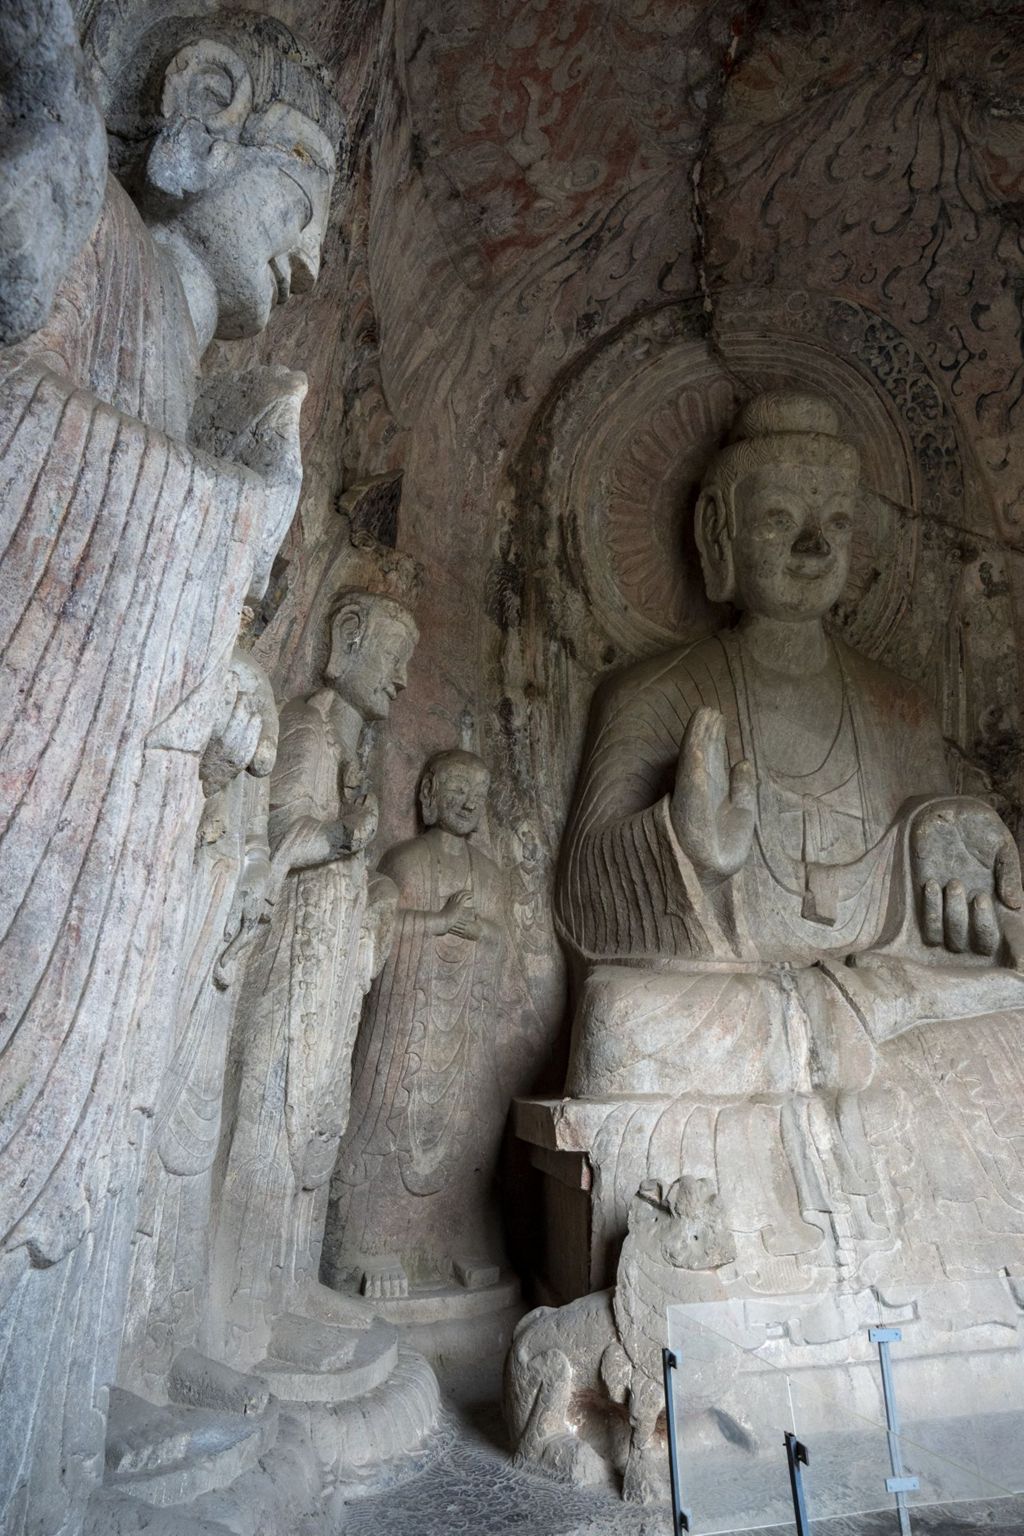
(796, 1453)
(680, 1516)
(899, 1484)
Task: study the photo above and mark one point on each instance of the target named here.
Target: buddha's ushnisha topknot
(779, 412)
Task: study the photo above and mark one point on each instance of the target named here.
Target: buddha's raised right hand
(712, 806)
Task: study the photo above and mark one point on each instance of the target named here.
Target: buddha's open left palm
(713, 805)
(966, 869)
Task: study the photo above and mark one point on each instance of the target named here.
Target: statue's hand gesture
(252, 419)
(236, 737)
(712, 806)
(459, 916)
(250, 906)
(966, 866)
(362, 822)
(355, 829)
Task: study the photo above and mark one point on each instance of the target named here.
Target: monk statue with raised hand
(413, 1194)
(766, 873)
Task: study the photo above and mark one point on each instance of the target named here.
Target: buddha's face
(791, 542)
(260, 229)
(458, 794)
(376, 669)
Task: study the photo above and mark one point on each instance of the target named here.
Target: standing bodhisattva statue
(140, 511)
(168, 1291)
(766, 874)
(329, 933)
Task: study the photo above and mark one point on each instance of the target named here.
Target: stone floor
(467, 1484)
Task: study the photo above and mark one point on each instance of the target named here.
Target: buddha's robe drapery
(859, 1121)
(415, 1173)
(127, 556)
(627, 892)
(740, 985)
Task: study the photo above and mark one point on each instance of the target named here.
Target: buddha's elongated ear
(714, 541)
(207, 99)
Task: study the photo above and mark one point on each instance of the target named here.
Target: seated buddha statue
(766, 873)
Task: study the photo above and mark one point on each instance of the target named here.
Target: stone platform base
(352, 1361)
(279, 1494)
(842, 1213)
(456, 1324)
(914, 1178)
(171, 1455)
(359, 1442)
(316, 1437)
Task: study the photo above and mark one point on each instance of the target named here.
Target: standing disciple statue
(140, 511)
(330, 929)
(413, 1198)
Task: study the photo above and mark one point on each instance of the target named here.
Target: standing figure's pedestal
(456, 1324)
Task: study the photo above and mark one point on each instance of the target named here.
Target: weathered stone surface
(414, 1195)
(783, 919)
(132, 548)
(569, 1366)
(53, 168)
(196, 1380)
(805, 819)
(283, 1490)
(172, 1455)
(329, 932)
(571, 243)
(170, 1276)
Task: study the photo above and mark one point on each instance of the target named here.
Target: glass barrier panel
(958, 1378)
(751, 1369)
